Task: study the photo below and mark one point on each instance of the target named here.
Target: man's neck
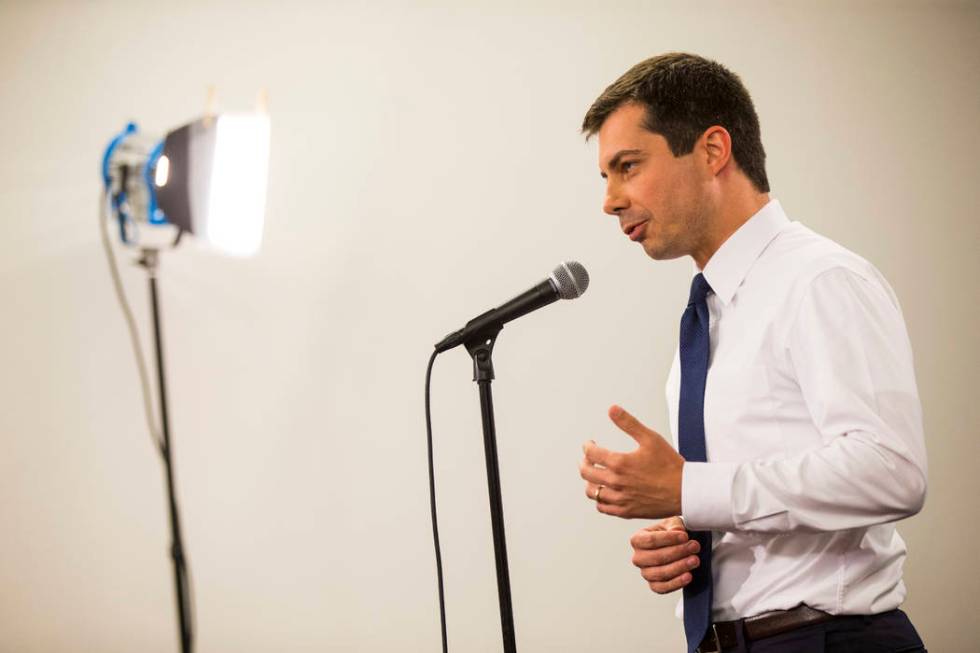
(731, 215)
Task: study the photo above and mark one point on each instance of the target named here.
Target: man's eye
(627, 166)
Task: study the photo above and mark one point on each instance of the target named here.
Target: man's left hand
(645, 483)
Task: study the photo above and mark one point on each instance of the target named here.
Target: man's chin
(659, 252)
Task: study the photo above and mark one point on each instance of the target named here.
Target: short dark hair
(684, 95)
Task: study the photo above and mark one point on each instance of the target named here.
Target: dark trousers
(888, 632)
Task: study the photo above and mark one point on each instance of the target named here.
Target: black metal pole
(149, 261)
(481, 350)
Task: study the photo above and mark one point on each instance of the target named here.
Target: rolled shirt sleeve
(850, 354)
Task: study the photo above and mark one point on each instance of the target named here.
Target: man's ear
(716, 144)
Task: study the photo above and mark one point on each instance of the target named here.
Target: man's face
(658, 198)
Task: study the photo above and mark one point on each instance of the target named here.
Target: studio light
(208, 179)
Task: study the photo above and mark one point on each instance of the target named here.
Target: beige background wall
(425, 166)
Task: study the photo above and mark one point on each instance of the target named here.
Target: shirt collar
(727, 268)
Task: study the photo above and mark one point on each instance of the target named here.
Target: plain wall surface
(426, 165)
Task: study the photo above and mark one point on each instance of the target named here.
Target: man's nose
(615, 200)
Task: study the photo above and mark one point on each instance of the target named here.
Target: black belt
(723, 634)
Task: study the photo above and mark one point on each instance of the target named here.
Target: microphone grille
(571, 279)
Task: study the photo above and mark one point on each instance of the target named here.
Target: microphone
(567, 281)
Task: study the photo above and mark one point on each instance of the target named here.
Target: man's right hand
(665, 555)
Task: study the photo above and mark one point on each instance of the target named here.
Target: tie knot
(699, 290)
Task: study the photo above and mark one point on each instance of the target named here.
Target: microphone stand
(481, 349)
(149, 261)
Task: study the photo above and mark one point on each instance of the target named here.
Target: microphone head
(570, 279)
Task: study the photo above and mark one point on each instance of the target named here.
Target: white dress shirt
(812, 424)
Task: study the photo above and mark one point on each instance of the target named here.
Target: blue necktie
(694, 371)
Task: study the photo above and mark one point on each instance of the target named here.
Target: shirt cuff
(706, 496)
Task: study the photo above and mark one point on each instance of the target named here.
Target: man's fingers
(597, 455)
(671, 585)
(612, 509)
(673, 524)
(657, 539)
(596, 475)
(667, 524)
(608, 495)
(629, 424)
(664, 555)
(665, 573)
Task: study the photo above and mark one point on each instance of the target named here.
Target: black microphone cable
(432, 504)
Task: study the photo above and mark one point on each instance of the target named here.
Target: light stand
(149, 261)
(207, 178)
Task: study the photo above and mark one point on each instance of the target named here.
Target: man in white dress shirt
(811, 419)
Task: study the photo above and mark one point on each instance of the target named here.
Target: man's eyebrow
(614, 161)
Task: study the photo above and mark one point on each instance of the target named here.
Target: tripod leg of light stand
(149, 261)
(483, 374)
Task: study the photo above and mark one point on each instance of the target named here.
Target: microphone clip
(480, 346)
